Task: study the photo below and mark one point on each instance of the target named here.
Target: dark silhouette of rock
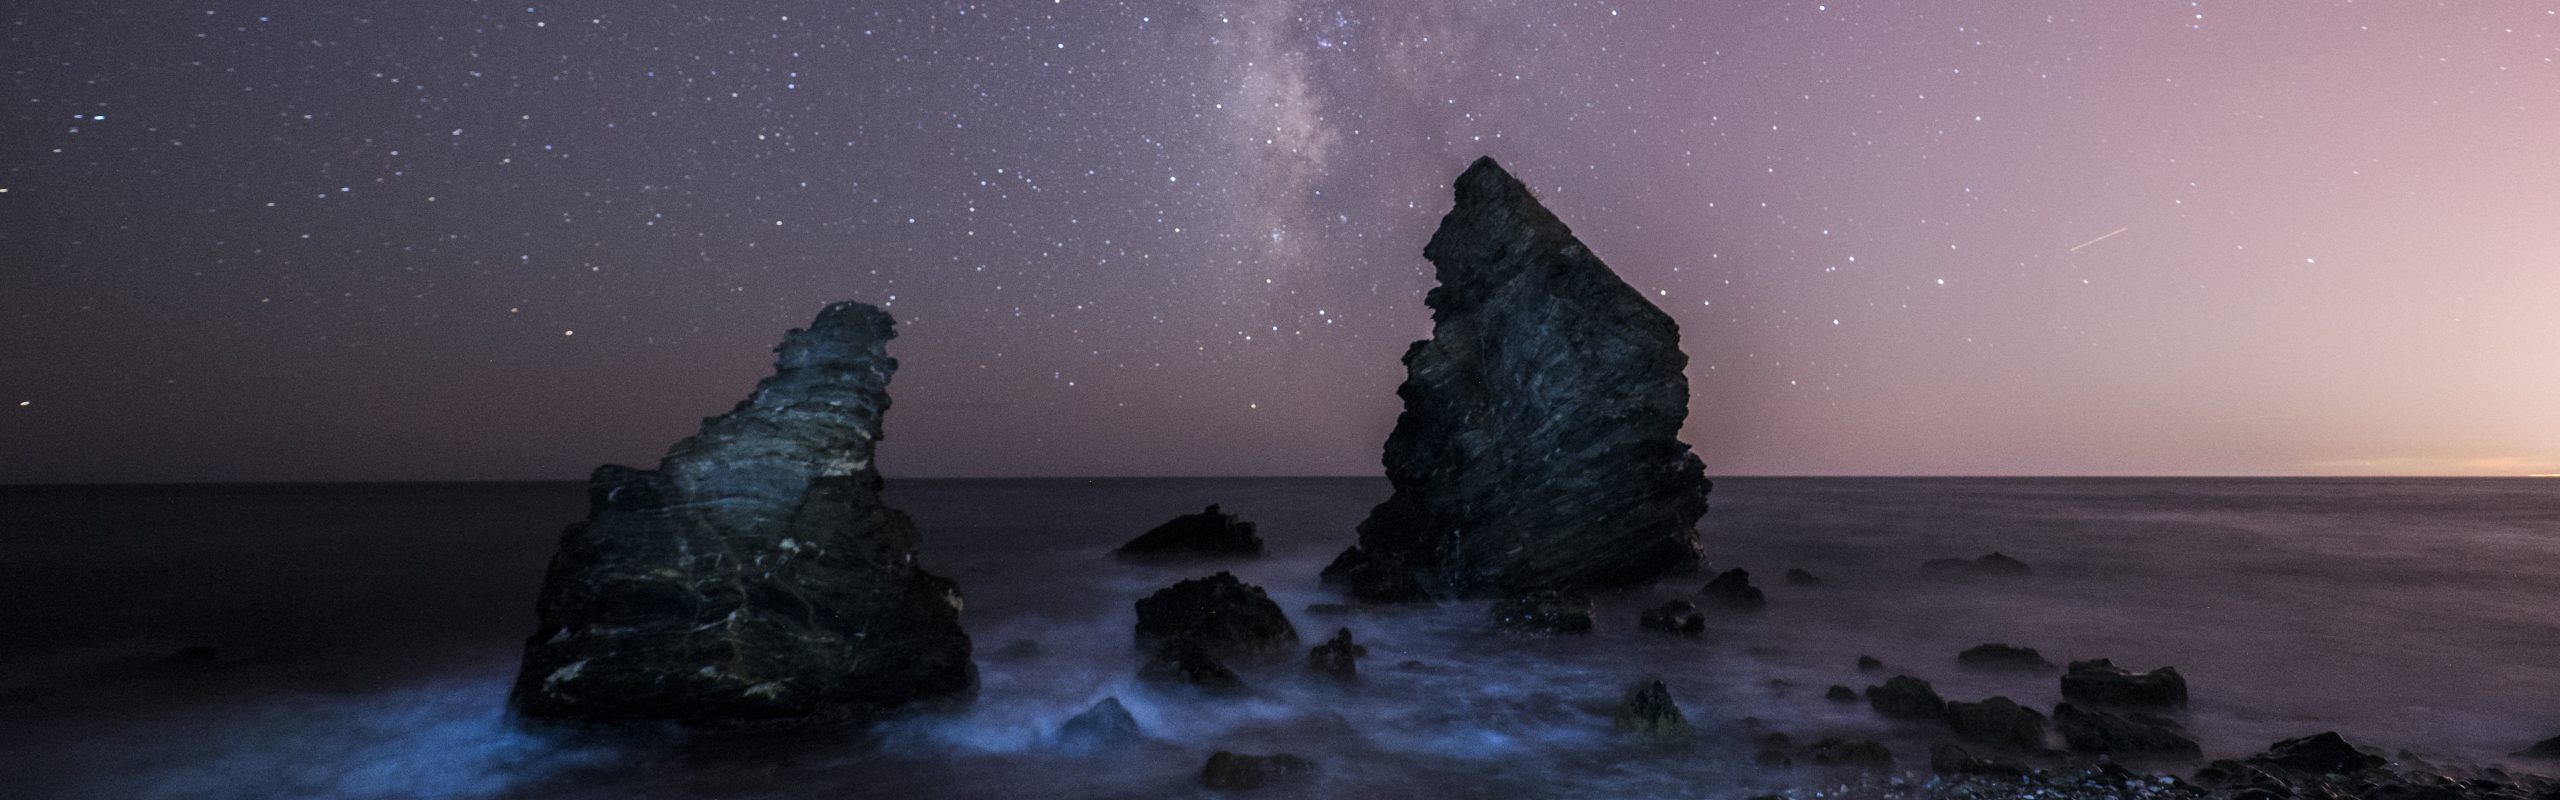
(1649, 714)
(1338, 657)
(1544, 611)
(1231, 619)
(1188, 662)
(1840, 694)
(1998, 721)
(1208, 534)
(1105, 726)
(1796, 576)
(1907, 697)
(1993, 564)
(2547, 748)
(1732, 589)
(2318, 754)
(2004, 657)
(1948, 759)
(1676, 616)
(754, 579)
(1539, 445)
(2131, 736)
(2102, 683)
(1228, 772)
(1870, 664)
(1833, 751)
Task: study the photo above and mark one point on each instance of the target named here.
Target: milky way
(373, 240)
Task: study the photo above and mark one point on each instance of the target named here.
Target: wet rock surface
(1650, 714)
(1948, 759)
(1189, 663)
(1675, 617)
(2134, 735)
(1227, 617)
(2100, 682)
(1539, 445)
(1732, 589)
(754, 579)
(1906, 697)
(1210, 534)
(1544, 612)
(1105, 726)
(1999, 722)
(1338, 658)
(1835, 751)
(2002, 657)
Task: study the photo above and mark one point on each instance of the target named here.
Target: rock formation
(1105, 726)
(1650, 715)
(1229, 618)
(1208, 534)
(1338, 658)
(1998, 721)
(1674, 616)
(754, 579)
(1544, 611)
(2101, 683)
(1732, 589)
(2003, 657)
(1539, 445)
(2135, 735)
(1908, 698)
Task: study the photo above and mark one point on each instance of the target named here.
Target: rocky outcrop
(1338, 658)
(2102, 683)
(2547, 748)
(1186, 662)
(2130, 736)
(1840, 694)
(1228, 772)
(1732, 589)
(1998, 721)
(2317, 754)
(1231, 619)
(1674, 616)
(1650, 715)
(1907, 697)
(755, 579)
(1205, 535)
(1544, 611)
(1993, 564)
(1106, 726)
(1797, 576)
(2002, 657)
(1539, 445)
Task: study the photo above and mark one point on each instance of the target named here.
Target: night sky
(369, 240)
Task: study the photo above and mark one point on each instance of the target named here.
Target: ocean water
(364, 635)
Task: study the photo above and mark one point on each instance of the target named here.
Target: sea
(356, 641)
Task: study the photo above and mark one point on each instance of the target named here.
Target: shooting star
(2099, 239)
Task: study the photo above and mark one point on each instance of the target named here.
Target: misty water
(364, 637)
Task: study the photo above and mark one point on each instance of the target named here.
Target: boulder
(1998, 721)
(1993, 564)
(1189, 663)
(1840, 694)
(1676, 616)
(2102, 683)
(1105, 726)
(1649, 714)
(754, 579)
(1732, 589)
(2004, 657)
(1906, 697)
(1796, 576)
(2547, 748)
(1208, 534)
(1229, 772)
(1338, 657)
(1544, 611)
(1230, 618)
(1539, 445)
(2131, 736)
(2318, 754)
(1870, 664)
(1833, 751)
(1948, 759)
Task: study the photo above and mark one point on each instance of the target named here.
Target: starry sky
(369, 240)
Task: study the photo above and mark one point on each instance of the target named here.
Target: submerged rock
(1998, 721)
(2004, 657)
(1907, 697)
(1539, 445)
(1732, 589)
(1840, 694)
(1796, 576)
(1187, 662)
(1208, 534)
(755, 579)
(1676, 616)
(1338, 657)
(1650, 714)
(1235, 772)
(1948, 759)
(2102, 683)
(1870, 664)
(2547, 748)
(1544, 611)
(2317, 754)
(2135, 735)
(1993, 564)
(1833, 751)
(1228, 617)
(1105, 726)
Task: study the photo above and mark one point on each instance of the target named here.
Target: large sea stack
(754, 579)
(1539, 446)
